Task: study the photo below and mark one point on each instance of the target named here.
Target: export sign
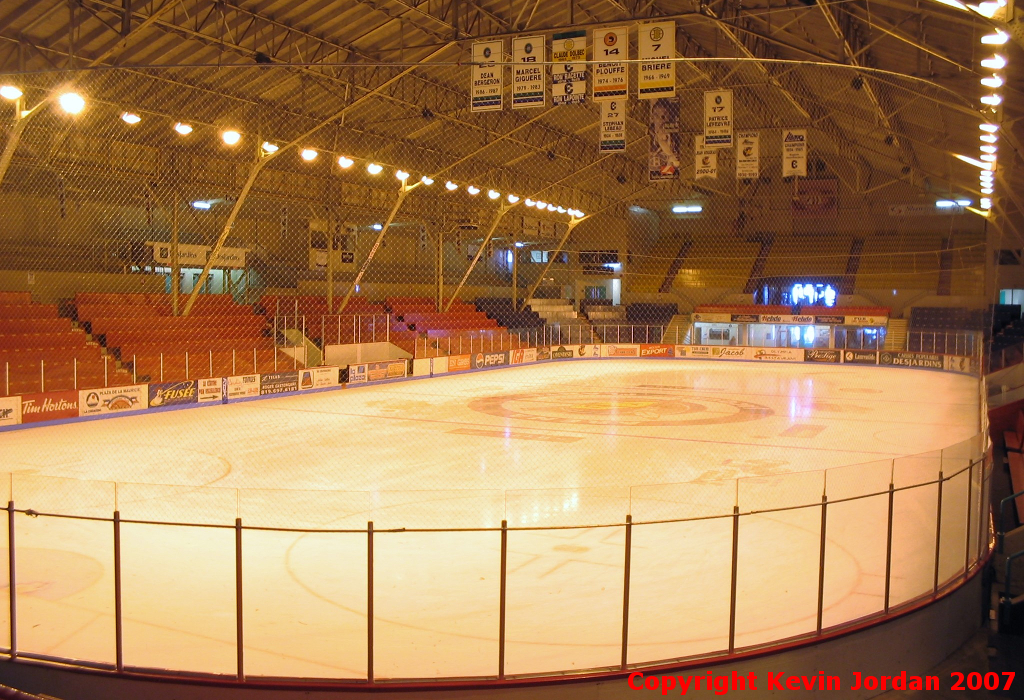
(489, 359)
(113, 399)
(822, 355)
(51, 406)
(860, 357)
(912, 359)
(242, 387)
(657, 351)
(381, 371)
(173, 393)
(10, 411)
(279, 382)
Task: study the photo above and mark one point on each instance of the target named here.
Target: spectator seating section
(1014, 439)
(502, 310)
(218, 338)
(651, 314)
(927, 318)
(420, 329)
(40, 351)
(361, 322)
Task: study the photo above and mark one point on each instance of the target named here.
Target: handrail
(1002, 526)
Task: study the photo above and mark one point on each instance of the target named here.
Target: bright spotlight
(71, 102)
(541, 205)
(986, 203)
(992, 100)
(131, 118)
(986, 190)
(428, 181)
(183, 128)
(200, 204)
(231, 137)
(963, 202)
(551, 207)
(450, 186)
(493, 194)
(345, 162)
(269, 147)
(990, 128)
(998, 38)
(989, 138)
(529, 202)
(9, 92)
(997, 62)
(378, 227)
(993, 82)
(512, 199)
(988, 149)
(988, 157)
(473, 190)
(560, 210)
(579, 214)
(309, 155)
(374, 169)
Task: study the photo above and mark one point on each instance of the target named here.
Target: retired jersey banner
(705, 160)
(613, 126)
(569, 68)
(657, 49)
(718, 119)
(487, 77)
(611, 72)
(748, 155)
(794, 153)
(664, 158)
(528, 72)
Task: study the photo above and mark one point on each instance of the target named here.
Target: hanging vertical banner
(613, 126)
(718, 119)
(611, 73)
(664, 134)
(657, 49)
(528, 72)
(705, 159)
(748, 155)
(487, 77)
(794, 152)
(568, 76)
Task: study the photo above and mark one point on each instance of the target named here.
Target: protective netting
(217, 234)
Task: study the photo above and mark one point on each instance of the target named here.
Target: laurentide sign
(528, 72)
(487, 77)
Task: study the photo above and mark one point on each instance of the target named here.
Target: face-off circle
(622, 407)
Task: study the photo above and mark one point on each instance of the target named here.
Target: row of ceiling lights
(989, 131)
(73, 103)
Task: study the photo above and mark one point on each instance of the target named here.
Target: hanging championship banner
(664, 133)
(657, 49)
(568, 74)
(794, 152)
(528, 72)
(487, 77)
(611, 73)
(705, 159)
(613, 126)
(718, 119)
(748, 155)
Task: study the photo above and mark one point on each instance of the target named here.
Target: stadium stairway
(313, 353)
(896, 334)
(677, 331)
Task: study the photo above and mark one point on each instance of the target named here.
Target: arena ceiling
(901, 101)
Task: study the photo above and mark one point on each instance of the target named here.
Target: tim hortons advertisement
(957, 363)
(561, 353)
(52, 406)
(588, 351)
(10, 411)
(210, 390)
(380, 371)
(620, 351)
(489, 359)
(458, 363)
(113, 399)
(242, 387)
(318, 378)
(518, 357)
(822, 355)
(173, 393)
(912, 359)
(860, 357)
(778, 354)
(357, 374)
(657, 351)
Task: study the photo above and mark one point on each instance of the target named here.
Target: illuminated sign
(824, 294)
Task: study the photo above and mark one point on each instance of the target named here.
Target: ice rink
(575, 445)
